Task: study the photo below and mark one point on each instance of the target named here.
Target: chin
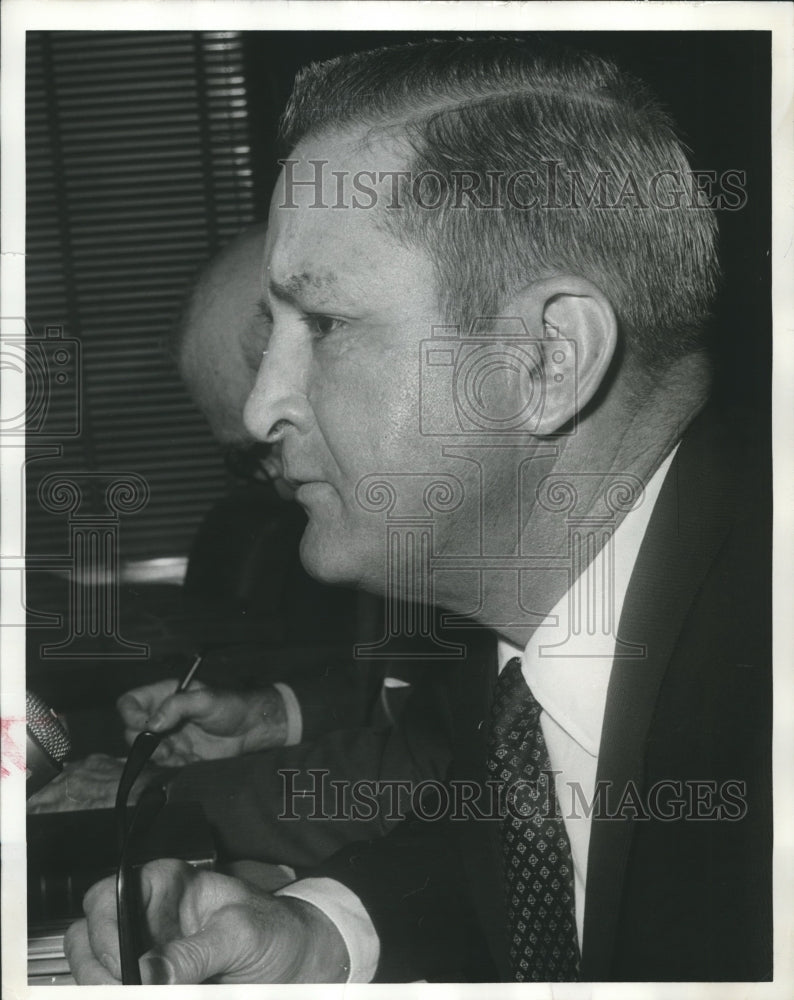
(329, 562)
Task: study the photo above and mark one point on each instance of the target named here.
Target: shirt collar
(572, 689)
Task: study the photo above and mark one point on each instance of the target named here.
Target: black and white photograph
(393, 419)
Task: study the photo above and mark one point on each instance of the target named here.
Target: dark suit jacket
(244, 564)
(686, 899)
(245, 799)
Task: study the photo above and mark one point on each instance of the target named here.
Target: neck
(621, 441)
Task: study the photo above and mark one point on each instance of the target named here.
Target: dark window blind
(138, 170)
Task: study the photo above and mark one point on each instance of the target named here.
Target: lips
(306, 492)
(299, 476)
(291, 481)
(295, 478)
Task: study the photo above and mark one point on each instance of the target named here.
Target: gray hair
(498, 109)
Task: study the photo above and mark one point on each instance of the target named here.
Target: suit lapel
(689, 523)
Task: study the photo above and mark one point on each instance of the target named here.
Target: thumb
(134, 707)
(137, 705)
(181, 708)
(212, 951)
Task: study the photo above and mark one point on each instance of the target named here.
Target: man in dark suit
(489, 276)
(679, 861)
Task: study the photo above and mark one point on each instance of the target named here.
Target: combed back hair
(495, 107)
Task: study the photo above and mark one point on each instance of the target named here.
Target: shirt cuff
(292, 709)
(345, 910)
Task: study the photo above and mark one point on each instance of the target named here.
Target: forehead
(325, 238)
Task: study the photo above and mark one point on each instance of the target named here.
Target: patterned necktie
(536, 854)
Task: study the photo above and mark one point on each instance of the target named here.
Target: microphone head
(48, 743)
(46, 728)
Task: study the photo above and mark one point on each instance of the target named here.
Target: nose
(279, 398)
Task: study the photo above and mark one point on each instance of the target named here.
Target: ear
(573, 327)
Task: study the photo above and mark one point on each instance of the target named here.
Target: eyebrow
(298, 286)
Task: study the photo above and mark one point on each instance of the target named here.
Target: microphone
(48, 743)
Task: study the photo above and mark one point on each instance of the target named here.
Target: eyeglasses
(128, 890)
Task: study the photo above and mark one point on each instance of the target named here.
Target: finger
(82, 797)
(223, 935)
(215, 950)
(101, 764)
(48, 804)
(85, 784)
(99, 906)
(221, 931)
(175, 750)
(190, 705)
(132, 711)
(49, 797)
(167, 755)
(137, 705)
(86, 968)
(86, 789)
(163, 886)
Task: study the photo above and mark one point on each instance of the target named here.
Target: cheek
(394, 410)
(368, 413)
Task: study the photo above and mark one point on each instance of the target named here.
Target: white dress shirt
(570, 683)
(292, 711)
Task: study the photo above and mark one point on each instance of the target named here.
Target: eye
(321, 325)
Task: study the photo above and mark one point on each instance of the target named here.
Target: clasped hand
(205, 926)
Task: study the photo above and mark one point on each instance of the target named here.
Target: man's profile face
(351, 305)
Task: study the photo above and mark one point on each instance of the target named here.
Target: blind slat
(139, 167)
